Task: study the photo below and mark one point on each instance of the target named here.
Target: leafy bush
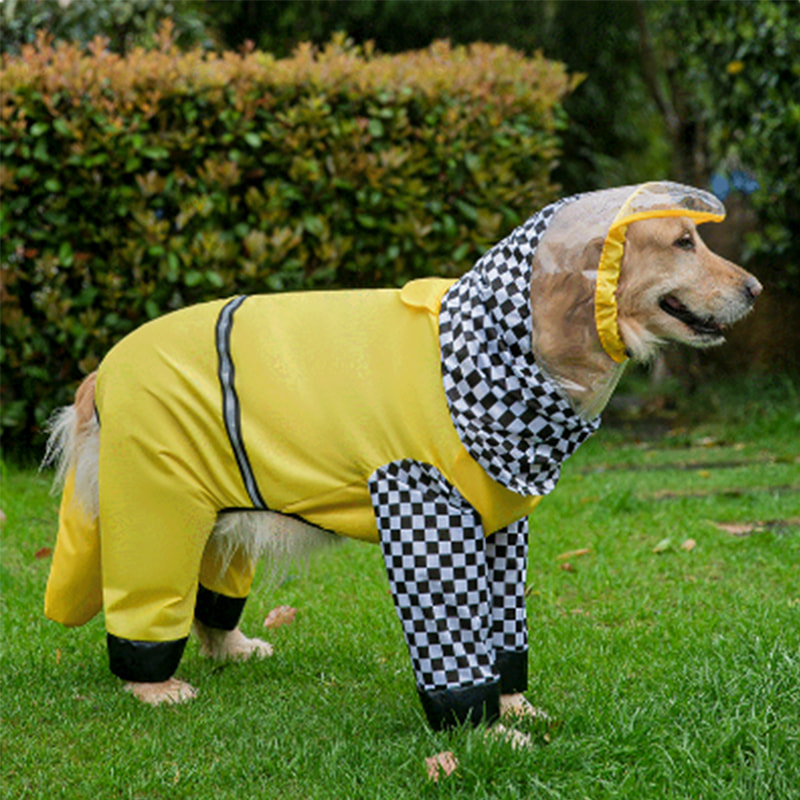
(741, 77)
(126, 23)
(136, 184)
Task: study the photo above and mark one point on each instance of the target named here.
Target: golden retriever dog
(429, 419)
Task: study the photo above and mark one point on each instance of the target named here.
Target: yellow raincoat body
(216, 407)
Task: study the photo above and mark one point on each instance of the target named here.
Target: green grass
(673, 674)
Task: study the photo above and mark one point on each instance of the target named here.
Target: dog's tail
(73, 445)
(74, 588)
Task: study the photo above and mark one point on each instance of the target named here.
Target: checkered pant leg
(507, 559)
(435, 555)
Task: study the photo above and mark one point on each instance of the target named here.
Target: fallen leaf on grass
(782, 525)
(738, 528)
(44, 552)
(281, 615)
(689, 545)
(746, 528)
(441, 765)
(567, 567)
(663, 546)
(584, 551)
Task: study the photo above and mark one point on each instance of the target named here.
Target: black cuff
(447, 708)
(144, 662)
(218, 610)
(512, 667)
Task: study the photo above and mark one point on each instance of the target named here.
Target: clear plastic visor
(579, 229)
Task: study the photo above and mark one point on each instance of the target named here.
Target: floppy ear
(590, 257)
(562, 311)
(562, 301)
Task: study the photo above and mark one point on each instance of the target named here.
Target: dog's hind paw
(230, 645)
(241, 648)
(171, 692)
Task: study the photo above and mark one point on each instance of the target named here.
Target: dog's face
(673, 288)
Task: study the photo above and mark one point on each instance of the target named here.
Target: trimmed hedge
(135, 185)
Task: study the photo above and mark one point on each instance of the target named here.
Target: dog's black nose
(753, 288)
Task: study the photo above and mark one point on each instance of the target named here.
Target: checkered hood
(515, 422)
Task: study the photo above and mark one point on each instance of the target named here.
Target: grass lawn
(672, 666)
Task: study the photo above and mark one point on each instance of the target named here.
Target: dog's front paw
(516, 706)
(171, 691)
(515, 738)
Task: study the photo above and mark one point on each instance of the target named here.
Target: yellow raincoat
(215, 407)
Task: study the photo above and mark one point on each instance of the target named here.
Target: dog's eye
(686, 242)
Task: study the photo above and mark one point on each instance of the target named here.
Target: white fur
(71, 445)
(168, 692)
(229, 645)
(642, 345)
(280, 540)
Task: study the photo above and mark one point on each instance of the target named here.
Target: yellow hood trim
(605, 301)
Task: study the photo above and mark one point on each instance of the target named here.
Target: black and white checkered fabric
(507, 560)
(511, 419)
(435, 555)
(460, 597)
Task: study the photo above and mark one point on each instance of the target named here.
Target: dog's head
(627, 271)
(618, 273)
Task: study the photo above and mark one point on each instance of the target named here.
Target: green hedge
(133, 186)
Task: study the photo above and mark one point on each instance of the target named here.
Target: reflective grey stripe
(230, 401)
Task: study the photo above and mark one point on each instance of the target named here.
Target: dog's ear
(562, 297)
(590, 257)
(562, 328)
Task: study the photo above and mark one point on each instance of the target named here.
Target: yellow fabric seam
(698, 216)
(605, 305)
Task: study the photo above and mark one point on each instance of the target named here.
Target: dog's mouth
(706, 327)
